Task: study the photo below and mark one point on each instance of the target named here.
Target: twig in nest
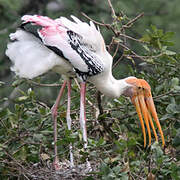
(14, 160)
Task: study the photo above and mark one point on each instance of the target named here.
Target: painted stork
(76, 49)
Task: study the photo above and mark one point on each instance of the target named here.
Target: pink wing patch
(51, 31)
(50, 28)
(40, 20)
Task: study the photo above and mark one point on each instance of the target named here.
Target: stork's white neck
(110, 86)
(105, 82)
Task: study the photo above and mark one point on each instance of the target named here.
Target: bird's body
(75, 49)
(57, 47)
(55, 53)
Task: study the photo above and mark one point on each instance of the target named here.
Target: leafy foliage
(115, 141)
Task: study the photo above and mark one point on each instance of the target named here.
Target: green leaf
(117, 169)
(118, 40)
(146, 38)
(177, 88)
(159, 44)
(169, 53)
(30, 92)
(174, 82)
(157, 151)
(17, 82)
(168, 43)
(3, 112)
(105, 170)
(166, 116)
(2, 83)
(153, 27)
(173, 108)
(38, 137)
(160, 32)
(176, 140)
(168, 35)
(22, 98)
(101, 142)
(146, 47)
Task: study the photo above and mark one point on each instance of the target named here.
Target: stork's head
(140, 93)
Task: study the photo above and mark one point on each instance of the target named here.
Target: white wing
(90, 35)
(81, 44)
(76, 42)
(31, 58)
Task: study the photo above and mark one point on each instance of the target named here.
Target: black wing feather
(95, 66)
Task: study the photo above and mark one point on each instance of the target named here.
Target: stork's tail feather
(30, 58)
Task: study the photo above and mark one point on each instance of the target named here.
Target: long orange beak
(143, 101)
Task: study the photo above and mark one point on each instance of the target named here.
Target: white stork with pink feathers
(76, 49)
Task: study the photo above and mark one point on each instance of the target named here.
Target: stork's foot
(88, 166)
(71, 164)
(56, 165)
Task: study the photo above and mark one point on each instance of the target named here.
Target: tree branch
(112, 9)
